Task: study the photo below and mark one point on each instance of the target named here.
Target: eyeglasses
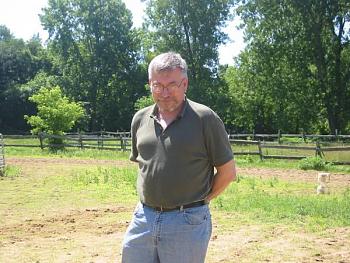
(158, 88)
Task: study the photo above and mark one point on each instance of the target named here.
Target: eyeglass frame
(171, 87)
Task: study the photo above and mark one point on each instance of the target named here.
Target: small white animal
(322, 189)
(323, 179)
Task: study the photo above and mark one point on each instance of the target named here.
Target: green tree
(327, 31)
(195, 30)
(5, 33)
(96, 54)
(144, 101)
(56, 113)
(19, 62)
(297, 63)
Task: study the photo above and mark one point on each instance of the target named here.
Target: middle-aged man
(176, 143)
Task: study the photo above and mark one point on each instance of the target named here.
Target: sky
(21, 17)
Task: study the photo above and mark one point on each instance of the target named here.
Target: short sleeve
(217, 142)
(134, 153)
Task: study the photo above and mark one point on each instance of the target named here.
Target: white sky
(21, 17)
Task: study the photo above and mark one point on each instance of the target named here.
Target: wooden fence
(265, 149)
(280, 136)
(2, 155)
(312, 150)
(119, 141)
(98, 140)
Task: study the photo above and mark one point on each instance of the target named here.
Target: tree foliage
(195, 30)
(56, 113)
(19, 63)
(95, 50)
(294, 73)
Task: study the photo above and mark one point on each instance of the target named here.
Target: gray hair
(167, 62)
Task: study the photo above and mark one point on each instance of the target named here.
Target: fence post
(279, 136)
(304, 135)
(81, 141)
(122, 146)
(336, 135)
(100, 141)
(319, 152)
(260, 151)
(41, 140)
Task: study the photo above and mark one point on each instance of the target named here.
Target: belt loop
(161, 208)
(181, 207)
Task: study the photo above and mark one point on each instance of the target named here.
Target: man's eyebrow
(174, 81)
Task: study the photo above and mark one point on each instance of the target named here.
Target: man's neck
(167, 117)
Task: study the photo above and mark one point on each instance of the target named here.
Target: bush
(144, 102)
(313, 163)
(56, 113)
(10, 171)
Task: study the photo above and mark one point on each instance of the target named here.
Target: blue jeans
(167, 237)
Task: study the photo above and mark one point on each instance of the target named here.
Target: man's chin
(169, 109)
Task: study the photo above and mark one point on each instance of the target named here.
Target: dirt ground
(94, 234)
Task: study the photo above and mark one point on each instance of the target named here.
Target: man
(176, 143)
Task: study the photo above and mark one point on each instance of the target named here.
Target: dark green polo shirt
(176, 165)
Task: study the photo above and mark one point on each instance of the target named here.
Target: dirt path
(95, 234)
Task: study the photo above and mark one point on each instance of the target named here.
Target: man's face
(168, 90)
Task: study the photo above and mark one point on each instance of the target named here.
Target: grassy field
(74, 206)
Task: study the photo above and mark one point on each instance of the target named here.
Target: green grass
(20, 141)
(120, 183)
(290, 203)
(250, 199)
(10, 171)
(47, 191)
(67, 153)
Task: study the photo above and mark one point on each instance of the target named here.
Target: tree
(327, 28)
(195, 30)
(5, 33)
(19, 62)
(297, 60)
(96, 50)
(56, 114)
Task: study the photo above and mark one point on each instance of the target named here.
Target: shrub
(313, 163)
(56, 113)
(10, 171)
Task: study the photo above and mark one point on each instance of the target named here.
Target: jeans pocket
(196, 216)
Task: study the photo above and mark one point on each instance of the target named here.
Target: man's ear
(186, 84)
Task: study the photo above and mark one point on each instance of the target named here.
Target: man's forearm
(224, 176)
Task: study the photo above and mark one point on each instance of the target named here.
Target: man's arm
(226, 173)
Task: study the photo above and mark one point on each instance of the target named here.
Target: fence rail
(279, 136)
(121, 141)
(314, 150)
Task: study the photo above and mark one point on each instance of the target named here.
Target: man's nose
(165, 92)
